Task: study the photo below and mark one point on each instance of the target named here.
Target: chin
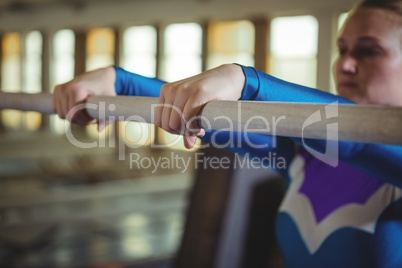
(355, 98)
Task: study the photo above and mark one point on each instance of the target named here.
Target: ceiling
(23, 5)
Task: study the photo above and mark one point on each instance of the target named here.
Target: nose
(347, 64)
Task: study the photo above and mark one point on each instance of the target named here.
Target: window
(231, 42)
(32, 75)
(139, 56)
(182, 51)
(11, 76)
(32, 82)
(139, 50)
(100, 48)
(63, 56)
(294, 49)
(100, 53)
(181, 59)
(30, 72)
(63, 62)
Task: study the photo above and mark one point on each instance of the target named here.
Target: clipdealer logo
(200, 160)
(329, 156)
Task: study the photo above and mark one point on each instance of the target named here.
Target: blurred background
(63, 206)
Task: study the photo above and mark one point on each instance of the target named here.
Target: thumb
(189, 141)
(102, 124)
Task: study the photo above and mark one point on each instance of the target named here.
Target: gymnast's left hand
(180, 102)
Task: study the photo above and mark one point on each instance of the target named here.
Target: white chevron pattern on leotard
(363, 217)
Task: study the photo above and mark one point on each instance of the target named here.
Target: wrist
(251, 84)
(109, 74)
(238, 78)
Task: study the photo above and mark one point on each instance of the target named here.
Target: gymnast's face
(369, 65)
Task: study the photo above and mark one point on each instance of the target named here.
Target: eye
(342, 51)
(368, 52)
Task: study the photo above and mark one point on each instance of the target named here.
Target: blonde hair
(392, 5)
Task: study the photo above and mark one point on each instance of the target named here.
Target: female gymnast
(349, 215)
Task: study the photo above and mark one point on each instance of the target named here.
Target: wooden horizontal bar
(41, 103)
(359, 123)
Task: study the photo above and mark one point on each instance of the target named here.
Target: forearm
(260, 86)
(132, 84)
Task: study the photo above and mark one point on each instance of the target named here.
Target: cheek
(383, 84)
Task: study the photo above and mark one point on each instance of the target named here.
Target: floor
(60, 207)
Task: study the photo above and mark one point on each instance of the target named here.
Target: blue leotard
(344, 216)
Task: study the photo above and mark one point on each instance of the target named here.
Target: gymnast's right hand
(67, 96)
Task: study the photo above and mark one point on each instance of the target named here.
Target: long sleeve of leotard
(131, 84)
(381, 161)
